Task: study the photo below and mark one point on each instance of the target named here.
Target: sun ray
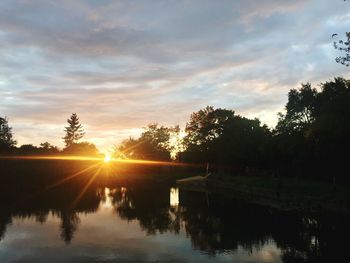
(102, 159)
(81, 194)
(101, 164)
(60, 182)
(71, 176)
(56, 157)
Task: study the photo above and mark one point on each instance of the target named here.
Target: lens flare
(107, 158)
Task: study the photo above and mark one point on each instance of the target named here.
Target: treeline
(310, 139)
(74, 132)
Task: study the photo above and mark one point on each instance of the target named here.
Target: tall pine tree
(6, 136)
(74, 131)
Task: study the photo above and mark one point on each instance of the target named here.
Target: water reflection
(174, 197)
(143, 221)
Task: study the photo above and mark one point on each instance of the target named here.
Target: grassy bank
(285, 193)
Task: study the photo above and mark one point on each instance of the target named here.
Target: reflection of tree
(41, 216)
(148, 205)
(228, 224)
(33, 198)
(211, 229)
(4, 221)
(314, 239)
(223, 225)
(69, 225)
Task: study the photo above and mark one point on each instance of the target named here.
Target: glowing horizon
(100, 159)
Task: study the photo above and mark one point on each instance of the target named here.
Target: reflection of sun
(107, 204)
(174, 197)
(107, 158)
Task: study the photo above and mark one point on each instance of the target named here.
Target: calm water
(48, 217)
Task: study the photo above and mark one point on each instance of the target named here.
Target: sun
(107, 158)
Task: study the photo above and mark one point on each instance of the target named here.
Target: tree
(315, 129)
(153, 144)
(82, 148)
(331, 128)
(344, 47)
(300, 110)
(74, 132)
(6, 136)
(205, 126)
(243, 143)
(28, 149)
(47, 147)
(125, 150)
(221, 137)
(292, 145)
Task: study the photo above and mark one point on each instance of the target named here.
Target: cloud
(122, 64)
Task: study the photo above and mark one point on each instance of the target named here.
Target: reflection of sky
(146, 61)
(104, 236)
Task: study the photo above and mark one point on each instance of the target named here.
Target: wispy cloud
(122, 64)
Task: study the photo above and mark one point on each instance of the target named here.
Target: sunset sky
(123, 64)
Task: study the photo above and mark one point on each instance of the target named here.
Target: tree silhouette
(300, 110)
(74, 132)
(205, 126)
(153, 144)
(69, 225)
(47, 147)
(315, 129)
(344, 47)
(82, 148)
(219, 136)
(6, 136)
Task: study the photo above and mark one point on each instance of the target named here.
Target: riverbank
(288, 194)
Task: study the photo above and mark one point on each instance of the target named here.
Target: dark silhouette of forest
(311, 138)
(74, 132)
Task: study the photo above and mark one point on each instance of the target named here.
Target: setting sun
(107, 158)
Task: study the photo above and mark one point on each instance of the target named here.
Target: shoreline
(285, 194)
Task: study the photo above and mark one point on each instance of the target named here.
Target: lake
(70, 211)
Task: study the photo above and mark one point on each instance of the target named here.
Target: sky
(123, 64)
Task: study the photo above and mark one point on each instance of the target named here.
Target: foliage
(48, 147)
(82, 148)
(300, 110)
(219, 136)
(6, 136)
(29, 149)
(344, 47)
(205, 126)
(322, 137)
(74, 132)
(153, 144)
